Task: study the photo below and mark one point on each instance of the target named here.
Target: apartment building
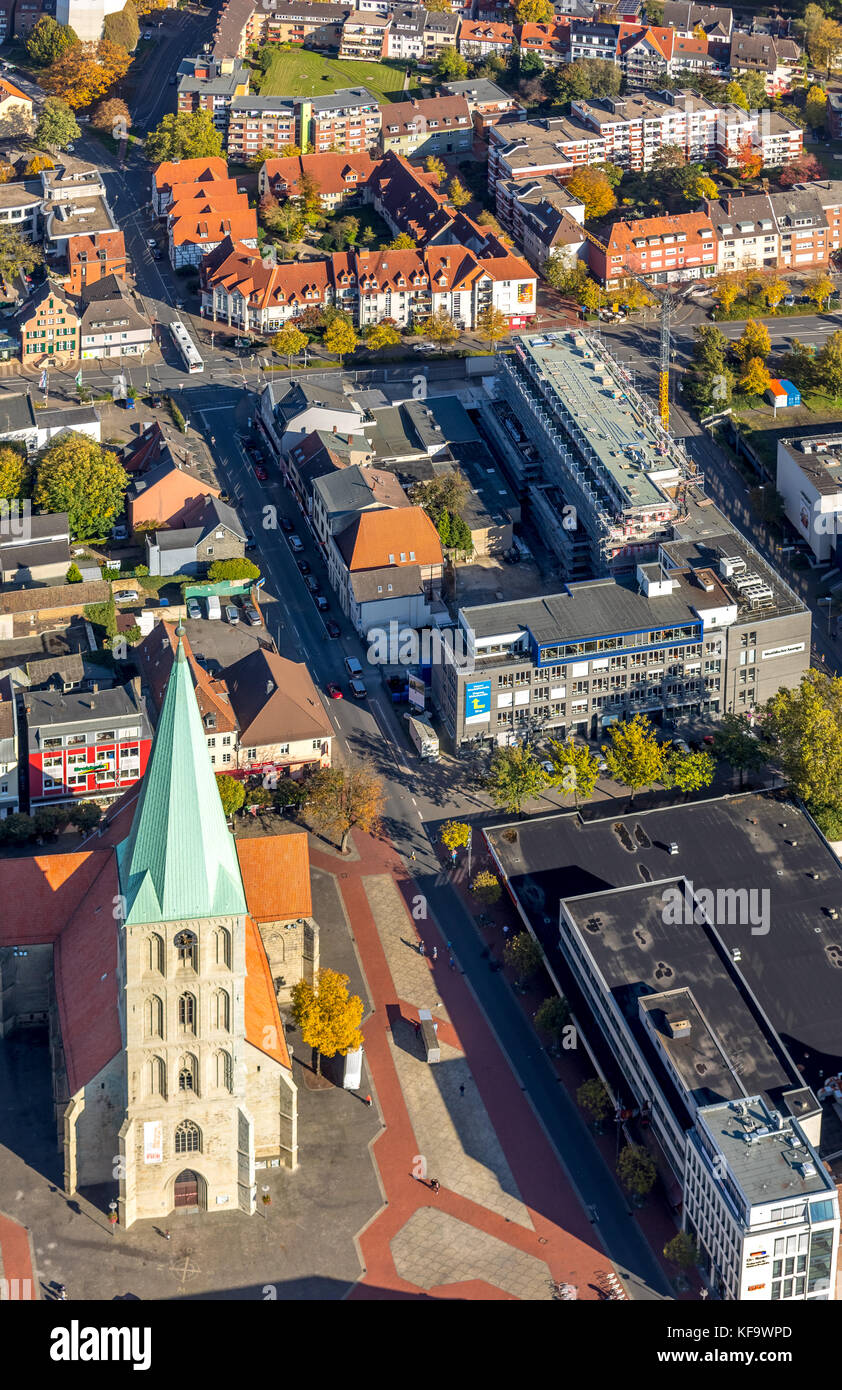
(196, 226)
(592, 39)
(551, 42)
(531, 149)
(440, 125)
(405, 35)
(543, 218)
(85, 744)
(112, 324)
(441, 31)
(487, 103)
(184, 173)
(364, 37)
(91, 258)
(203, 85)
(260, 123)
(686, 18)
(833, 115)
(809, 479)
(48, 325)
(314, 25)
(681, 246)
(9, 797)
(783, 231)
(478, 38)
(647, 55)
(348, 120)
(21, 205)
(342, 179)
(775, 59)
(239, 290)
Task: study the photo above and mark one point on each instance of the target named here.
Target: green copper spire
(179, 859)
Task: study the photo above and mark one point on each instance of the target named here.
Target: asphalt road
(418, 796)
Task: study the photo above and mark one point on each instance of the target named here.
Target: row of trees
(48, 822)
(338, 799)
(72, 474)
(720, 365)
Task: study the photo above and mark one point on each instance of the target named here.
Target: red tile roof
(155, 655)
(190, 171)
(276, 876)
(112, 243)
(41, 892)
(264, 1029)
(378, 539)
(332, 172)
(235, 267)
(85, 968)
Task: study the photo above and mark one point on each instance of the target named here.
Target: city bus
(186, 347)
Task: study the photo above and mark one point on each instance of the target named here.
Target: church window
(187, 1073)
(224, 1071)
(156, 1076)
(187, 945)
(156, 953)
(187, 1012)
(222, 943)
(221, 1010)
(154, 1011)
(188, 1138)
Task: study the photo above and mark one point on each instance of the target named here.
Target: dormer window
(210, 721)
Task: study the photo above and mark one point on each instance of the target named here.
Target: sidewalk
(505, 1221)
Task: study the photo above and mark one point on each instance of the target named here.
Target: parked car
(157, 255)
(124, 596)
(304, 566)
(357, 689)
(295, 543)
(250, 541)
(156, 402)
(321, 603)
(681, 745)
(181, 304)
(252, 615)
(332, 628)
(120, 532)
(286, 525)
(313, 584)
(333, 690)
(353, 667)
(214, 607)
(260, 473)
(232, 613)
(151, 242)
(193, 609)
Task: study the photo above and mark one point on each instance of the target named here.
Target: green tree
(77, 475)
(48, 40)
(285, 219)
(458, 193)
(594, 1098)
(575, 769)
(799, 364)
(682, 1251)
(753, 342)
(735, 744)
(825, 366)
(634, 755)
(755, 380)
(328, 1016)
(455, 834)
(636, 1170)
(15, 473)
(524, 955)
(805, 726)
(289, 794)
(381, 335)
(122, 27)
(582, 80)
(342, 799)
(492, 324)
(232, 569)
(73, 575)
(753, 85)
(186, 135)
(17, 828)
(734, 94)
(486, 887)
(441, 329)
(688, 772)
(85, 815)
(450, 66)
(515, 776)
(232, 793)
(289, 341)
(16, 253)
(340, 338)
(57, 126)
(553, 1015)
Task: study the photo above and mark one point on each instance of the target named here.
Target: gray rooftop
(760, 842)
(255, 103)
(344, 98)
(59, 712)
(16, 412)
(479, 91)
(762, 1161)
(396, 581)
(590, 609)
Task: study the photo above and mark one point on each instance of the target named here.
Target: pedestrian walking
(462, 1089)
(434, 1186)
(452, 963)
(422, 951)
(435, 953)
(368, 1100)
(166, 1235)
(412, 856)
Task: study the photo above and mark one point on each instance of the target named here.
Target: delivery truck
(424, 736)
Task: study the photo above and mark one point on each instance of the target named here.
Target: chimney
(728, 201)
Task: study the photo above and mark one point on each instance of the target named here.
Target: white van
(214, 606)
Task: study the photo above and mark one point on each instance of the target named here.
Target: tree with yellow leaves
(37, 163)
(435, 166)
(340, 337)
(726, 289)
(533, 11)
(381, 335)
(819, 289)
(458, 193)
(492, 324)
(593, 189)
(815, 107)
(774, 292)
(328, 1016)
(754, 342)
(86, 72)
(289, 341)
(755, 379)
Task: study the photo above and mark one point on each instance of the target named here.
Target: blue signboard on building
(477, 700)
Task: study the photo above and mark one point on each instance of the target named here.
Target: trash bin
(429, 1036)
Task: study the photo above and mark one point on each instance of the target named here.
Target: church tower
(187, 1141)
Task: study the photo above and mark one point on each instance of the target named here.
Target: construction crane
(667, 302)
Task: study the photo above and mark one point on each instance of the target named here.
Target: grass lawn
(298, 72)
(763, 431)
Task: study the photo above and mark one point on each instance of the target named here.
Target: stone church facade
(171, 1076)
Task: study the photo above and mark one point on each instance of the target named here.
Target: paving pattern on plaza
(452, 1129)
(434, 1249)
(411, 974)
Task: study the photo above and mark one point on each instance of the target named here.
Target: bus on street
(186, 347)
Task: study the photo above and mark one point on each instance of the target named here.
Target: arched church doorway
(188, 1191)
